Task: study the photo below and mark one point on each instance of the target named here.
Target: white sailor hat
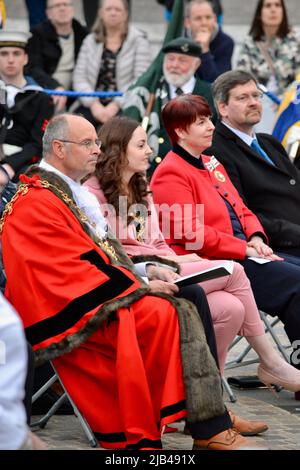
(14, 38)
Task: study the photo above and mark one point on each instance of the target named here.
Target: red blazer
(205, 229)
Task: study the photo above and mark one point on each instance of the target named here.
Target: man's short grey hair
(227, 81)
(191, 3)
(58, 128)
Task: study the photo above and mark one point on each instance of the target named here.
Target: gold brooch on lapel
(219, 176)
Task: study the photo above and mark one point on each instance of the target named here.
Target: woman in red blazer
(203, 213)
(119, 178)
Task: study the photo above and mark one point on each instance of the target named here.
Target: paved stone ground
(280, 411)
(65, 433)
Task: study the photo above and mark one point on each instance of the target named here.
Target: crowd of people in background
(183, 130)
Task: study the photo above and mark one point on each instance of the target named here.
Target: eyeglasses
(257, 96)
(88, 143)
(58, 5)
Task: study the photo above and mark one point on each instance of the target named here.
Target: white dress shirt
(242, 135)
(188, 87)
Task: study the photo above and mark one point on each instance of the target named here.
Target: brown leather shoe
(227, 440)
(245, 427)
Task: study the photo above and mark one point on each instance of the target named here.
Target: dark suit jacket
(271, 192)
(218, 59)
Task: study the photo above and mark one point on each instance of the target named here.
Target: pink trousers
(232, 304)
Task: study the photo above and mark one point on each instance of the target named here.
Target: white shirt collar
(188, 87)
(242, 135)
(85, 200)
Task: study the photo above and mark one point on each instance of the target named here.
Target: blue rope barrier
(76, 94)
(112, 94)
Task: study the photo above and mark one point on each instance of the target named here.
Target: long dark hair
(115, 135)
(256, 29)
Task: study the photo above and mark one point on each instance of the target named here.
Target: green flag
(142, 100)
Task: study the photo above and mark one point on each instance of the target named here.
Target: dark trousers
(29, 382)
(276, 288)
(197, 296)
(37, 11)
(290, 251)
(90, 8)
(210, 427)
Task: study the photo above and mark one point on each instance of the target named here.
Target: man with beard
(258, 164)
(181, 60)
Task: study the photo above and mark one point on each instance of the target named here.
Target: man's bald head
(71, 145)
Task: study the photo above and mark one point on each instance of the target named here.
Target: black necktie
(178, 91)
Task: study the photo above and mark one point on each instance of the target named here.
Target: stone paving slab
(65, 433)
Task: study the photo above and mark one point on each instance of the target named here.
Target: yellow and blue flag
(2, 14)
(288, 114)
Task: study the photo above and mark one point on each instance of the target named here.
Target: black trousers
(210, 427)
(197, 296)
(36, 11)
(29, 382)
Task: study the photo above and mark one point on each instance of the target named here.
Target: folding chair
(44, 420)
(41, 423)
(239, 360)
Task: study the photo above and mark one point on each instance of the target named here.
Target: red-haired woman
(119, 175)
(188, 178)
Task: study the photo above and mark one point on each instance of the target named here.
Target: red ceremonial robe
(125, 376)
(115, 347)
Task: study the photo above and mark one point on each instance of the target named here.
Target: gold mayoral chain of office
(23, 190)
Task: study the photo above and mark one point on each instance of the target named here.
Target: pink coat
(153, 242)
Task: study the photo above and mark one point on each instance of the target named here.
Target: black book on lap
(225, 268)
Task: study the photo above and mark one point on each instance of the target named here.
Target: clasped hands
(104, 113)
(162, 279)
(256, 247)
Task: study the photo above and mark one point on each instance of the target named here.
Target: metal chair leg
(232, 396)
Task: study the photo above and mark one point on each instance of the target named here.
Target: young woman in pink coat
(120, 185)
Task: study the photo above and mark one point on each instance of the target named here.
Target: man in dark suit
(257, 164)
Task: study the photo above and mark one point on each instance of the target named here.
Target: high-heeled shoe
(267, 377)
